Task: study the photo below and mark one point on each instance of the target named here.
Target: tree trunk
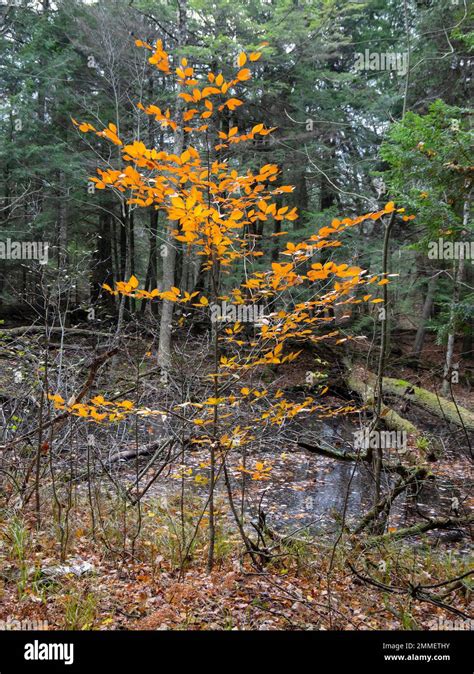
(124, 261)
(169, 258)
(131, 244)
(426, 313)
(151, 281)
(378, 455)
(102, 270)
(458, 277)
(62, 223)
(152, 271)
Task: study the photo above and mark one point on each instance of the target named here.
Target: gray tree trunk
(62, 223)
(458, 277)
(425, 315)
(169, 257)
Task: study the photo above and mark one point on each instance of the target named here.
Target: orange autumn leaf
(244, 75)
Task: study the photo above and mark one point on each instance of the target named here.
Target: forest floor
(132, 571)
(296, 591)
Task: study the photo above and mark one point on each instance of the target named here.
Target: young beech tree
(215, 205)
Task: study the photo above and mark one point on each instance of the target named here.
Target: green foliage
(80, 610)
(429, 158)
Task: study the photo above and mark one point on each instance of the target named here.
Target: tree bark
(426, 313)
(169, 259)
(151, 281)
(378, 456)
(458, 278)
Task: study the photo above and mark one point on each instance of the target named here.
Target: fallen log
(422, 527)
(136, 451)
(430, 402)
(11, 333)
(330, 453)
(388, 466)
(363, 382)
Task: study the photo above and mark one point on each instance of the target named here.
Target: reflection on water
(308, 491)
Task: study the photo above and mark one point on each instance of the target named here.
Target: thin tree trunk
(378, 456)
(169, 258)
(458, 273)
(151, 281)
(458, 277)
(185, 262)
(425, 315)
(152, 272)
(125, 261)
(131, 245)
(102, 269)
(62, 223)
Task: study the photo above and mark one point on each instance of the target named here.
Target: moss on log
(363, 382)
(430, 402)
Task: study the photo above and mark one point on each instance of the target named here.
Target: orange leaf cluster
(97, 410)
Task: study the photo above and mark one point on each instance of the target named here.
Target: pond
(299, 490)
